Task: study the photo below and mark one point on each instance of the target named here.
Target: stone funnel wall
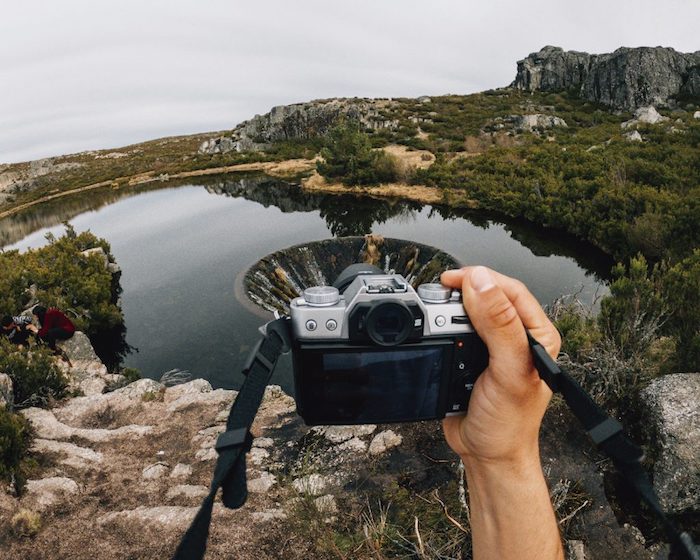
(276, 279)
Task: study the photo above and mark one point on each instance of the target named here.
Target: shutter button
(311, 325)
(440, 321)
(331, 325)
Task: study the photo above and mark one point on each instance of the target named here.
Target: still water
(181, 249)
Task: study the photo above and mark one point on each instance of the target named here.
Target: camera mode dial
(321, 296)
(434, 293)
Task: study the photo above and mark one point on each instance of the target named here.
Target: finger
(497, 321)
(529, 309)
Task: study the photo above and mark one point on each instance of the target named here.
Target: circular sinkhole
(276, 279)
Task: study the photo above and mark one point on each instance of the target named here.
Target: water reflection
(181, 249)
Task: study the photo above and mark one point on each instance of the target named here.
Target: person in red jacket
(54, 325)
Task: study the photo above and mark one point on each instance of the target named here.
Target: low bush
(36, 378)
(15, 439)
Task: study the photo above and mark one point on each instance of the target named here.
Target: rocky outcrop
(625, 79)
(300, 121)
(673, 418)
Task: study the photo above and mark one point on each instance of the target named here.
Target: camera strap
(608, 435)
(233, 444)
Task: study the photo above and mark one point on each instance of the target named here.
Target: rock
(384, 441)
(647, 115)
(197, 392)
(194, 387)
(186, 491)
(7, 395)
(155, 471)
(672, 411)
(263, 483)
(181, 471)
(47, 492)
(264, 442)
(300, 121)
(696, 115)
(71, 455)
(575, 550)
(78, 348)
(208, 454)
(46, 426)
(632, 136)
(424, 99)
(82, 409)
(353, 445)
(257, 455)
(175, 377)
(339, 434)
(535, 121)
(625, 79)
(174, 517)
(326, 504)
(313, 484)
(269, 515)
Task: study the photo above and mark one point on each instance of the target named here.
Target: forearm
(511, 512)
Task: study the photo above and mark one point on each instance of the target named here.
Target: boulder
(69, 454)
(535, 121)
(384, 441)
(155, 471)
(625, 79)
(181, 470)
(633, 136)
(339, 434)
(646, 115)
(696, 115)
(193, 491)
(47, 492)
(85, 409)
(672, 415)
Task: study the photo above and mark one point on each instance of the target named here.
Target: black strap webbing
(235, 442)
(608, 435)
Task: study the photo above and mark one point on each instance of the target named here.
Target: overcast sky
(78, 75)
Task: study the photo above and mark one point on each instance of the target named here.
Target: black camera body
(371, 349)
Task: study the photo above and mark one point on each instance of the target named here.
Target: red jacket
(55, 319)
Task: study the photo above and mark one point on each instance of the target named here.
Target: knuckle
(502, 314)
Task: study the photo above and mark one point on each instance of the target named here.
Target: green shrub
(35, 376)
(15, 439)
(349, 157)
(64, 278)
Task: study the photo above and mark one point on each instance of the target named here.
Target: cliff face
(299, 121)
(625, 79)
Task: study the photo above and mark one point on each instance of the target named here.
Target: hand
(511, 514)
(509, 398)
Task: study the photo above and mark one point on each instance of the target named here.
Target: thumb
(496, 321)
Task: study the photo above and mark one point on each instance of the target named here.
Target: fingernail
(481, 279)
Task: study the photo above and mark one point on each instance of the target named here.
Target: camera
(371, 349)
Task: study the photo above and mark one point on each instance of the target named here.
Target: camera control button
(331, 325)
(311, 325)
(440, 321)
(461, 365)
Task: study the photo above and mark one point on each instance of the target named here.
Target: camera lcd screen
(365, 386)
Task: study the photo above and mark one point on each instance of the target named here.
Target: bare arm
(511, 513)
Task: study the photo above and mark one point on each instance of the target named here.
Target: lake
(182, 247)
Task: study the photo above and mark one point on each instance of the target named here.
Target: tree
(348, 156)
